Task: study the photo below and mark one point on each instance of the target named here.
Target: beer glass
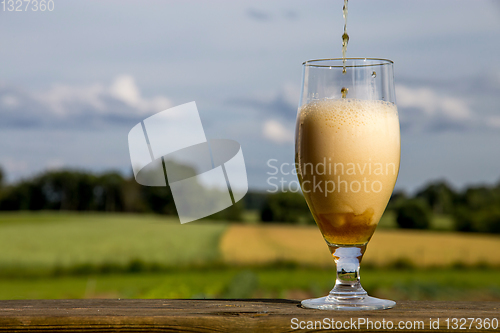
(347, 151)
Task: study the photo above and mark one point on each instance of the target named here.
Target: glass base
(348, 303)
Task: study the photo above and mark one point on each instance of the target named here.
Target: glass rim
(336, 64)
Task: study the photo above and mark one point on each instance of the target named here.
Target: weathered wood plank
(251, 315)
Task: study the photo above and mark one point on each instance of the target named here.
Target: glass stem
(347, 284)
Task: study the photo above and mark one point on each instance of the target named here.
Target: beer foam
(348, 111)
(353, 135)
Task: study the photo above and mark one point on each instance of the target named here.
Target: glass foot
(348, 303)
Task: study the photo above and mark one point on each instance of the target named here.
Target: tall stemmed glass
(347, 154)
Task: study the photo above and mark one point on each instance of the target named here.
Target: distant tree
(463, 219)
(285, 207)
(397, 198)
(255, 200)
(67, 190)
(478, 210)
(85, 191)
(485, 219)
(233, 213)
(133, 198)
(480, 197)
(413, 214)
(159, 199)
(439, 196)
(489, 220)
(1, 185)
(23, 196)
(108, 192)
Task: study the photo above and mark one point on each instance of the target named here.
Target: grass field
(304, 244)
(69, 255)
(275, 282)
(45, 240)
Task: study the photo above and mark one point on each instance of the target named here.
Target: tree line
(83, 191)
(76, 190)
(474, 209)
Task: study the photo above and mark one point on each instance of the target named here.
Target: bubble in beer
(344, 91)
(374, 74)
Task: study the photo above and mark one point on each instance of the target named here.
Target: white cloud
(282, 103)
(10, 101)
(276, 132)
(433, 103)
(54, 164)
(494, 122)
(86, 104)
(14, 165)
(60, 100)
(291, 94)
(125, 89)
(426, 109)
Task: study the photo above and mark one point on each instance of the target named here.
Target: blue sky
(74, 81)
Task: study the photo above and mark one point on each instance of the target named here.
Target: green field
(70, 255)
(275, 282)
(47, 240)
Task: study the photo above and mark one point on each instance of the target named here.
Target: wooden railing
(252, 315)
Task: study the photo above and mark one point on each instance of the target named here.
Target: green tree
(463, 219)
(158, 199)
(255, 200)
(286, 207)
(108, 192)
(233, 213)
(23, 196)
(396, 199)
(133, 198)
(439, 196)
(413, 214)
(1, 185)
(485, 219)
(1, 178)
(480, 197)
(67, 189)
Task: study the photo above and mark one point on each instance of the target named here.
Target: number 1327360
(27, 5)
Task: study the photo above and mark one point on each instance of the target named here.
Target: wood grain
(252, 315)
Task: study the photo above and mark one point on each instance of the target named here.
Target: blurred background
(77, 76)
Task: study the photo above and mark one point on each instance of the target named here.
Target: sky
(75, 80)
